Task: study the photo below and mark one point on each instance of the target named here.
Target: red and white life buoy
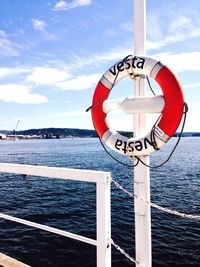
(170, 117)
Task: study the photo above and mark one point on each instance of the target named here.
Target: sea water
(70, 205)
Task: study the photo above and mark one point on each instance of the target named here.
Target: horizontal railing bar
(55, 172)
(49, 229)
(7, 261)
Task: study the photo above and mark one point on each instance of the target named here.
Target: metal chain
(122, 251)
(153, 205)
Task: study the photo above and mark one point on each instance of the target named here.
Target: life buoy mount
(170, 117)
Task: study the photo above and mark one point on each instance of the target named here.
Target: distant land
(74, 132)
(49, 133)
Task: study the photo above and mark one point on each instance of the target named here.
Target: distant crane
(14, 130)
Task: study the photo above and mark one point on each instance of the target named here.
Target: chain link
(122, 251)
(153, 205)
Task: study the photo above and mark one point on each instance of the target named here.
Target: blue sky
(52, 54)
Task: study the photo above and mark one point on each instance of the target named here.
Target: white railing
(103, 212)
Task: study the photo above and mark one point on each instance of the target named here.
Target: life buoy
(170, 117)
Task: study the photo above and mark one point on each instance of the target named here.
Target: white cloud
(180, 28)
(97, 59)
(47, 76)
(179, 62)
(38, 25)
(60, 79)
(189, 61)
(6, 72)
(178, 37)
(65, 5)
(181, 24)
(192, 85)
(20, 94)
(81, 82)
(7, 47)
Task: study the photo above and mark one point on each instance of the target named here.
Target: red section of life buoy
(170, 117)
(174, 103)
(99, 117)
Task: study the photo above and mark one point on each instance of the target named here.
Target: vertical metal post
(141, 173)
(103, 211)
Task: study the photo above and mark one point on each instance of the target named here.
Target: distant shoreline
(53, 133)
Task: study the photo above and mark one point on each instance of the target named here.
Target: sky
(53, 53)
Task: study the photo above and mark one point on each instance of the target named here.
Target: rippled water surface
(70, 205)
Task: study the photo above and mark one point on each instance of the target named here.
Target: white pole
(103, 211)
(141, 173)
